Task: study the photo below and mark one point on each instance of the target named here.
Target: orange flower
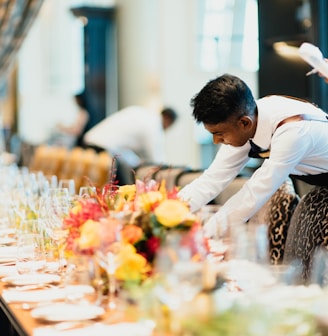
(132, 233)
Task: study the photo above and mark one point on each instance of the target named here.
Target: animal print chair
(308, 230)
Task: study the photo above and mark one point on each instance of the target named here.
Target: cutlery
(32, 287)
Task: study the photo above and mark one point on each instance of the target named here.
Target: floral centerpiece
(146, 212)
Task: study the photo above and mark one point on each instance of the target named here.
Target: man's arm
(226, 166)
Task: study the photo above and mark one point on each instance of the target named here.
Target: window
(228, 35)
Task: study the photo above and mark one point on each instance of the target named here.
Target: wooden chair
(37, 162)
(48, 159)
(99, 170)
(72, 168)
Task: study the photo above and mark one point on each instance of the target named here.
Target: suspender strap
(300, 117)
(258, 152)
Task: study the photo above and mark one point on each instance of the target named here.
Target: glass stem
(111, 290)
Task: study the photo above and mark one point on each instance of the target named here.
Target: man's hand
(210, 228)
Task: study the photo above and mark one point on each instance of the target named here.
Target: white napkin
(100, 329)
(12, 295)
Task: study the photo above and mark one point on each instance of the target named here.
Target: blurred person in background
(135, 134)
(71, 135)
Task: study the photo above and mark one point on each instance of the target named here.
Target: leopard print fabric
(280, 209)
(308, 230)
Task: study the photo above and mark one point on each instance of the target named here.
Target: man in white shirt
(135, 133)
(292, 135)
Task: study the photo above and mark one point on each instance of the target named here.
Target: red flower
(152, 246)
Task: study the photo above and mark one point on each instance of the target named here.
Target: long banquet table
(15, 321)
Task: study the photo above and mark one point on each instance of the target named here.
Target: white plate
(7, 231)
(31, 279)
(45, 295)
(7, 240)
(67, 312)
(6, 271)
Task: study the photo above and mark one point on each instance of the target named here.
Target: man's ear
(246, 121)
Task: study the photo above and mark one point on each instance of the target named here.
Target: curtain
(16, 17)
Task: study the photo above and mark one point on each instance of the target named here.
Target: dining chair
(169, 175)
(147, 170)
(187, 176)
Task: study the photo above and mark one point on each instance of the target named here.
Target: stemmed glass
(87, 191)
(108, 256)
(69, 184)
(54, 207)
(179, 264)
(30, 247)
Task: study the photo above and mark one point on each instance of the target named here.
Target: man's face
(235, 132)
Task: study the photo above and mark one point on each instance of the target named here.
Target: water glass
(86, 192)
(69, 184)
(30, 253)
(83, 270)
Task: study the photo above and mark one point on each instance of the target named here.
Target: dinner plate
(7, 240)
(7, 231)
(46, 294)
(8, 270)
(31, 279)
(67, 312)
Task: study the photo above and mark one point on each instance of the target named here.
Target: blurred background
(153, 53)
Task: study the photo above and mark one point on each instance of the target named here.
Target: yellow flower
(128, 192)
(172, 212)
(145, 201)
(132, 233)
(133, 266)
(89, 235)
(125, 197)
(76, 209)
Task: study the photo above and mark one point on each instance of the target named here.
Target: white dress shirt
(133, 128)
(299, 147)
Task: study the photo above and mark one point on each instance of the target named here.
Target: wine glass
(86, 191)
(69, 184)
(108, 256)
(179, 263)
(54, 208)
(30, 246)
(57, 232)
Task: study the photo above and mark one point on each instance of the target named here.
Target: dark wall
(99, 59)
(278, 74)
(279, 21)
